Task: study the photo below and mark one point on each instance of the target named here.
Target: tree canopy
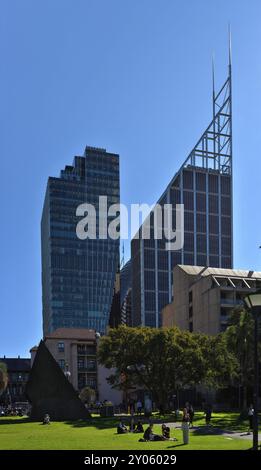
(3, 377)
(164, 359)
(239, 337)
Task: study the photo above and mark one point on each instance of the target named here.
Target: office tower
(204, 185)
(78, 276)
(125, 298)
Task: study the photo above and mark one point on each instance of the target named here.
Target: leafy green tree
(159, 359)
(3, 377)
(220, 362)
(87, 395)
(240, 341)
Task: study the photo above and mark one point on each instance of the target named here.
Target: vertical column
(156, 284)
(195, 216)
(207, 219)
(169, 255)
(142, 294)
(219, 220)
(182, 202)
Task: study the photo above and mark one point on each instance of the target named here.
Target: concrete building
(204, 297)
(75, 350)
(18, 369)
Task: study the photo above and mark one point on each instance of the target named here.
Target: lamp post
(253, 303)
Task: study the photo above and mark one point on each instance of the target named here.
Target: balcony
(231, 302)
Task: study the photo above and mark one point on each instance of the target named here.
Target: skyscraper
(204, 185)
(78, 276)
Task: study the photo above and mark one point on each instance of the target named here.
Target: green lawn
(100, 433)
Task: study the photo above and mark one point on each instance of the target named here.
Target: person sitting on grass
(121, 428)
(166, 433)
(46, 419)
(150, 436)
(139, 427)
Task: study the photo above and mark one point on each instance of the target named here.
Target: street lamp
(253, 303)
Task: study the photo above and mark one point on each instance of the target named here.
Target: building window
(80, 363)
(191, 326)
(91, 364)
(61, 363)
(190, 311)
(61, 346)
(190, 296)
(91, 382)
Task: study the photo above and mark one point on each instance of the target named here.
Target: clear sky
(133, 76)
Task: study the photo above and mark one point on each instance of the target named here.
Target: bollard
(185, 430)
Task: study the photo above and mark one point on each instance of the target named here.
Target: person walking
(190, 410)
(185, 425)
(250, 414)
(191, 414)
(139, 407)
(208, 413)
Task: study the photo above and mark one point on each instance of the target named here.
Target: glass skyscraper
(204, 185)
(78, 276)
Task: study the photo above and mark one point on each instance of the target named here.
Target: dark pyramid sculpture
(49, 391)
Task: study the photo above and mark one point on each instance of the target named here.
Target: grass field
(100, 433)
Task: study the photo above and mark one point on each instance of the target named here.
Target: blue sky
(132, 76)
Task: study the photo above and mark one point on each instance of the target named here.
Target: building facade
(78, 276)
(18, 372)
(75, 351)
(204, 297)
(126, 294)
(203, 185)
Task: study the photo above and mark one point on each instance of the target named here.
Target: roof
(18, 364)
(72, 333)
(208, 271)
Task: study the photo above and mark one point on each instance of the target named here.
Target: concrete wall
(105, 390)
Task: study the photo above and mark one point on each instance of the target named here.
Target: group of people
(136, 428)
(11, 411)
(148, 435)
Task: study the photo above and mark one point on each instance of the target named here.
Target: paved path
(213, 430)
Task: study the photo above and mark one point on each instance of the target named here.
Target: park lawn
(21, 434)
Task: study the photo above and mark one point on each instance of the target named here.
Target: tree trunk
(244, 397)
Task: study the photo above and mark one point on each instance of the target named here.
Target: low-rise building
(203, 297)
(18, 369)
(75, 350)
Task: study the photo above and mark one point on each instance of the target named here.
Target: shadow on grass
(112, 422)
(99, 423)
(15, 420)
(210, 431)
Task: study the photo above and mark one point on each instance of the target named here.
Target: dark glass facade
(78, 276)
(204, 186)
(125, 295)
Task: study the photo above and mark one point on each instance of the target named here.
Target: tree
(87, 395)
(159, 359)
(240, 341)
(220, 363)
(3, 377)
